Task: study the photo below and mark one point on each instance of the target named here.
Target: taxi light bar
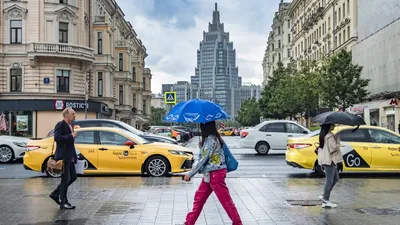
(299, 146)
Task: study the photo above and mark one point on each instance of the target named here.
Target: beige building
(321, 27)
(278, 44)
(54, 54)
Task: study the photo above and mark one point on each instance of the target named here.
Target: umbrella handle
(358, 126)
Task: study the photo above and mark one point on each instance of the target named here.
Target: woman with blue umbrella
(212, 163)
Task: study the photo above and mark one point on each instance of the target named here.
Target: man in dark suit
(64, 136)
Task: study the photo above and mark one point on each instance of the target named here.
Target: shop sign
(22, 122)
(61, 105)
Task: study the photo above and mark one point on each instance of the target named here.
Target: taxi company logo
(394, 149)
(353, 159)
(126, 153)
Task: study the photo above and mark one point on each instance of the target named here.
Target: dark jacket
(65, 142)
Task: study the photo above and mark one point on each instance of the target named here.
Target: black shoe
(55, 198)
(67, 206)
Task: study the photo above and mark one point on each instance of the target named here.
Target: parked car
(122, 125)
(11, 148)
(107, 150)
(367, 149)
(186, 129)
(196, 131)
(179, 135)
(271, 135)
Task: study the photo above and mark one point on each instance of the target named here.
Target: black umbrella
(343, 118)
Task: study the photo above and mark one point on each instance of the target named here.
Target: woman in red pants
(212, 166)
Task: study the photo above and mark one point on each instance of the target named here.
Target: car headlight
(20, 144)
(177, 152)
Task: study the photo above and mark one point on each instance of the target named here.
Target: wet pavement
(265, 191)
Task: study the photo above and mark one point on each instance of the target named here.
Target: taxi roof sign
(170, 97)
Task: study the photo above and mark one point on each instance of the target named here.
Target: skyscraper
(216, 74)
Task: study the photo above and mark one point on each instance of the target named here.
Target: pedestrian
(329, 155)
(64, 136)
(212, 166)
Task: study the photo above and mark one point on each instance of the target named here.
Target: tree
(341, 82)
(157, 115)
(249, 113)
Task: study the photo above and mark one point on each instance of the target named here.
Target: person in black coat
(64, 136)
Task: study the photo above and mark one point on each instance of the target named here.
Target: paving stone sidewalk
(162, 201)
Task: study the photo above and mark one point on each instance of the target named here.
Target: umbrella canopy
(196, 111)
(343, 118)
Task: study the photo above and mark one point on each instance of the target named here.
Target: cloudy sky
(172, 29)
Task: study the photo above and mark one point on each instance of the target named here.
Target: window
(348, 32)
(134, 100)
(359, 135)
(288, 52)
(134, 74)
(109, 138)
(16, 31)
(99, 43)
(100, 84)
(288, 24)
(144, 82)
(279, 30)
(275, 128)
(121, 61)
(340, 17)
(279, 57)
(329, 23)
(63, 1)
(85, 137)
(344, 11)
(16, 80)
(288, 36)
(340, 39)
(279, 43)
(348, 6)
(110, 40)
(293, 128)
(63, 32)
(62, 80)
(144, 107)
(121, 94)
(380, 136)
(344, 35)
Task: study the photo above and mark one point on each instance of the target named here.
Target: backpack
(231, 163)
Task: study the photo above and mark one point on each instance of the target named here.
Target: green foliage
(249, 113)
(157, 115)
(341, 82)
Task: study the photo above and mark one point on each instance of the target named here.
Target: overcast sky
(172, 29)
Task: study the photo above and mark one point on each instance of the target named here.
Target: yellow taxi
(108, 150)
(367, 149)
(227, 132)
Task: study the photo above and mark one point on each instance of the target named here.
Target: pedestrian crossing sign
(170, 97)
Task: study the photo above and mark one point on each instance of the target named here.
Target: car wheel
(157, 166)
(262, 148)
(6, 154)
(50, 174)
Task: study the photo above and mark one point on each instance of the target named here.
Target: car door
(87, 149)
(385, 147)
(275, 134)
(114, 155)
(356, 151)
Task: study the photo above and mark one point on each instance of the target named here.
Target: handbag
(54, 166)
(230, 161)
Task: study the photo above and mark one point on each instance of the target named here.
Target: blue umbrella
(196, 111)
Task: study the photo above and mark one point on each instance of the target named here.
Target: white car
(12, 148)
(271, 135)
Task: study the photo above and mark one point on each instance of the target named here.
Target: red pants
(218, 185)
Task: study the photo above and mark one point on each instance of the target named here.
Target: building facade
(216, 73)
(157, 101)
(278, 44)
(379, 55)
(184, 90)
(250, 91)
(322, 27)
(80, 54)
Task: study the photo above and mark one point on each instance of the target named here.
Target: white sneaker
(328, 204)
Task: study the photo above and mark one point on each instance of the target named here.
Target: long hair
(208, 129)
(325, 128)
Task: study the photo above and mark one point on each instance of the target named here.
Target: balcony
(122, 43)
(123, 75)
(60, 50)
(137, 86)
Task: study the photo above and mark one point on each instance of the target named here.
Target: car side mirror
(130, 144)
(305, 132)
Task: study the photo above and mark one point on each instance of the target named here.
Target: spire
(216, 15)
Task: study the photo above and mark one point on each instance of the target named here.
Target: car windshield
(130, 128)
(135, 137)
